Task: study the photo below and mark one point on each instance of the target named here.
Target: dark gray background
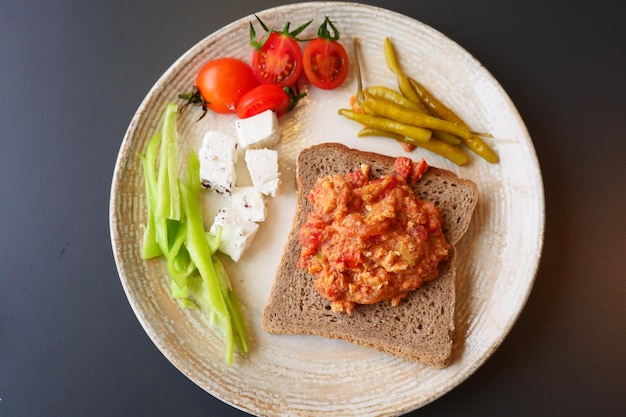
(72, 74)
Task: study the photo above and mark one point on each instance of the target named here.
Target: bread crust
(420, 329)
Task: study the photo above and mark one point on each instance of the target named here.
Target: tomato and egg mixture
(367, 241)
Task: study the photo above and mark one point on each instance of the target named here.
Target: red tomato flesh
(325, 63)
(278, 61)
(261, 98)
(223, 81)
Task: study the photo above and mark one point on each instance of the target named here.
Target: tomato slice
(261, 98)
(278, 60)
(325, 63)
(223, 81)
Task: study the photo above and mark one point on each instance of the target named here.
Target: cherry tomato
(223, 81)
(261, 98)
(325, 60)
(278, 61)
(325, 63)
(277, 57)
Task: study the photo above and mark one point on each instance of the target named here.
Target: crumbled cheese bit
(237, 233)
(258, 131)
(218, 155)
(263, 168)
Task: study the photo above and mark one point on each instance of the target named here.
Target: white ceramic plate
(299, 375)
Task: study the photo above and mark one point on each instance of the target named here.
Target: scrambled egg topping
(367, 241)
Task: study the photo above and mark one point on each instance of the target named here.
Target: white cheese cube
(237, 233)
(258, 131)
(263, 168)
(218, 155)
(250, 203)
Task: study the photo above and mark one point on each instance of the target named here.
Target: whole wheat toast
(420, 328)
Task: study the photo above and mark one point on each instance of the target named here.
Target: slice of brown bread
(420, 328)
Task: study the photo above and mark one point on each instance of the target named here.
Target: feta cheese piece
(250, 203)
(259, 131)
(237, 233)
(263, 168)
(218, 155)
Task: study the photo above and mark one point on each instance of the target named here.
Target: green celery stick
(167, 178)
(172, 176)
(214, 239)
(200, 254)
(179, 265)
(232, 303)
(151, 248)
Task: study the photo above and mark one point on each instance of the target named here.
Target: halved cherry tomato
(325, 63)
(277, 57)
(223, 81)
(278, 61)
(325, 60)
(261, 98)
